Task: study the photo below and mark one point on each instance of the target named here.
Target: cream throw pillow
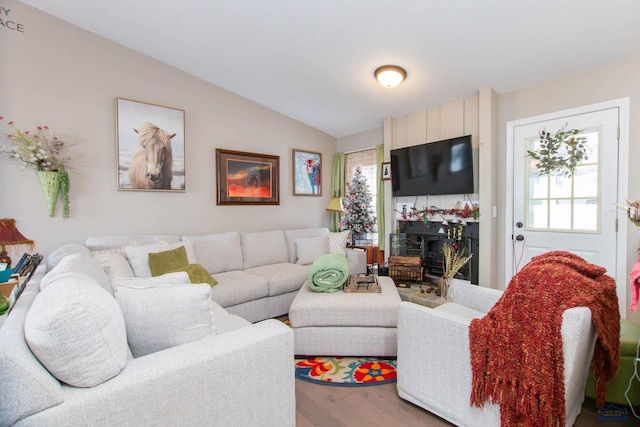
(58, 254)
(163, 316)
(76, 330)
(78, 263)
(138, 256)
(114, 264)
(176, 278)
(338, 242)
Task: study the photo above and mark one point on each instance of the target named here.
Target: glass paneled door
(558, 212)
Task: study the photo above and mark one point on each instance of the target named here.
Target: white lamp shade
(390, 75)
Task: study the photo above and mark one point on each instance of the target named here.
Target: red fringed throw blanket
(516, 349)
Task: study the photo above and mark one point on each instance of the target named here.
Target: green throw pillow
(167, 261)
(197, 274)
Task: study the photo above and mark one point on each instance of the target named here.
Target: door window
(568, 204)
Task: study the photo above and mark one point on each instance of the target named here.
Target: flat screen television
(441, 167)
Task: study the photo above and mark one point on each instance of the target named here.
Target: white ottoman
(346, 324)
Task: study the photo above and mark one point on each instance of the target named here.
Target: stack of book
(22, 272)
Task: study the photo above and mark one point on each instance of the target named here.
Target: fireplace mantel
(425, 240)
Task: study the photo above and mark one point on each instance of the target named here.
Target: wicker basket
(405, 268)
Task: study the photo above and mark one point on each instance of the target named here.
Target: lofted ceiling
(313, 60)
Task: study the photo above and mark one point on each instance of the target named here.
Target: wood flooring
(334, 406)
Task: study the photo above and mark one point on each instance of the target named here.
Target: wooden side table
(373, 254)
(7, 287)
(414, 295)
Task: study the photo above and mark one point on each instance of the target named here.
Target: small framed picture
(150, 147)
(247, 178)
(307, 173)
(385, 173)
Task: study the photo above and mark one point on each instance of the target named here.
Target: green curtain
(380, 198)
(337, 187)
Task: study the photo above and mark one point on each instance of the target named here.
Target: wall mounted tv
(441, 167)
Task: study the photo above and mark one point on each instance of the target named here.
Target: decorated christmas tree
(357, 206)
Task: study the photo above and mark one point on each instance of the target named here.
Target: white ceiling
(313, 60)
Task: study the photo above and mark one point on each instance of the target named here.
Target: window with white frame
(367, 160)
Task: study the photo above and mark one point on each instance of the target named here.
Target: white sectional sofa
(258, 273)
(85, 373)
(74, 350)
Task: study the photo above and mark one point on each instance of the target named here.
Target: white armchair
(434, 369)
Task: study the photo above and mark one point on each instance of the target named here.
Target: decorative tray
(363, 284)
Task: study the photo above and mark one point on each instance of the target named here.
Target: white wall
(56, 74)
(609, 82)
(361, 141)
(612, 81)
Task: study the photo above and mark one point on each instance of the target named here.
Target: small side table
(7, 287)
(414, 295)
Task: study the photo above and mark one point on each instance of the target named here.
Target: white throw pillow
(58, 254)
(338, 242)
(78, 263)
(76, 330)
(114, 264)
(138, 256)
(308, 250)
(163, 316)
(177, 278)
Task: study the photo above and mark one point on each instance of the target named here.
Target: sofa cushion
(57, 254)
(114, 264)
(465, 314)
(282, 278)
(163, 316)
(26, 386)
(236, 287)
(78, 263)
(166, 261)
(309, 249)
(223, 321)
(338, 242)
(138, 256)
(76, 330)
(292, 235)
(263, 248)
(218, 252)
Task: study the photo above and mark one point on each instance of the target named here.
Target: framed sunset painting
(247, 178)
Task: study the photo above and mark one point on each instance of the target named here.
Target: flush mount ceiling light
(390, 75)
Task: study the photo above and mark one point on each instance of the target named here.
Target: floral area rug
(346, 371)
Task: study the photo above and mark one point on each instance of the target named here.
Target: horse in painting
(151, 165)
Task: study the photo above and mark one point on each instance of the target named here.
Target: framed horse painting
(307, 173)
(247, 178)
(150, 147)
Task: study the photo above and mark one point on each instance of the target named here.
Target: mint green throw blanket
(328, 273)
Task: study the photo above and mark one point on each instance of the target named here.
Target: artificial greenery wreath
(560, 153)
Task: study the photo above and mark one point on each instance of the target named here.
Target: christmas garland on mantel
(461, 214)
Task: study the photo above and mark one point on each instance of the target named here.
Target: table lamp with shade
(10, 236)
(335, 205)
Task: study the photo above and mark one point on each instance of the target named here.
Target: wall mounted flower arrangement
(50, 155)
